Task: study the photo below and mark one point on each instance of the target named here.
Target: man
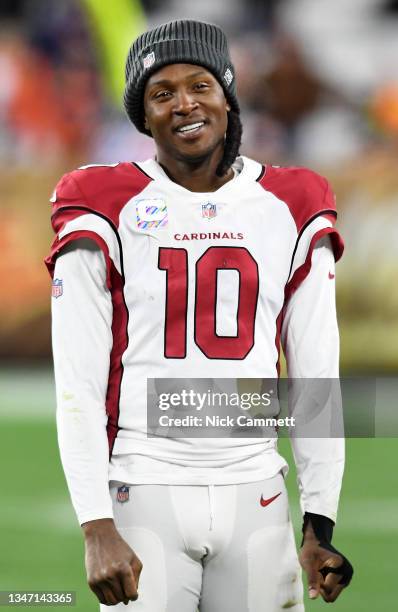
(187, 266)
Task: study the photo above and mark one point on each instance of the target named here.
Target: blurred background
(318, 86)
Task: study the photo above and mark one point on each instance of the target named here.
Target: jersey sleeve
(310, 339)
(315, 220)
(312, 207)
(82, 343)
(74, 217)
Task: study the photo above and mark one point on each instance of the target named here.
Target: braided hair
(233, 140)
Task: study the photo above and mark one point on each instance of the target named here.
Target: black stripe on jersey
(113, 226)
(141, 170)
(327, 211)
(261, 174)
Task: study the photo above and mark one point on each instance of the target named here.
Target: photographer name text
(224, 421)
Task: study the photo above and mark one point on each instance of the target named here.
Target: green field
(41, 544)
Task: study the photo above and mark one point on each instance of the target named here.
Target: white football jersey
(199, 282)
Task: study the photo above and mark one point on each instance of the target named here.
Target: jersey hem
(213, 477)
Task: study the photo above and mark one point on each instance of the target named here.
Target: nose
(185, 103)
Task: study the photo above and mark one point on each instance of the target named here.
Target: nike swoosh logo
(331, 275)
(266, 502)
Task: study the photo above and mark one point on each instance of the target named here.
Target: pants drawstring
(211, 505)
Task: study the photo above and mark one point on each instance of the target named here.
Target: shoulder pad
(101, 189)
(306, 193)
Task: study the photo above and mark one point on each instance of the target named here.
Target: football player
(196, 263)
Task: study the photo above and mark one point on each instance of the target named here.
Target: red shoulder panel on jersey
(101, 189)
(306, 193)
(58, 245)
(308, 196)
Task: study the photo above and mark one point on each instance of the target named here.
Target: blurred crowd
(50, 96)
(317, 83)
(318, 86)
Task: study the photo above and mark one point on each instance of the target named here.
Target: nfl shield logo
(149, 60)
(228, 76)
(209, 210)
(57, 288)
(123, 494)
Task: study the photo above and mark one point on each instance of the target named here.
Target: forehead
(173, 73)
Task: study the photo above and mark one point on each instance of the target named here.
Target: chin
(197, 153)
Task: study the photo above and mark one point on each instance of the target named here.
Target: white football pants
(216, 548)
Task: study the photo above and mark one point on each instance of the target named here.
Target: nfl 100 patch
(209, 210)
(123, 494)
(151, 213)
(57, 288)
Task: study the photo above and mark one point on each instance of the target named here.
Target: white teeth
(191, 127)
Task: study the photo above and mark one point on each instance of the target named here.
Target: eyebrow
(167, 81)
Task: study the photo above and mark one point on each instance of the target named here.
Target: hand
(315, 561)
(113, 569)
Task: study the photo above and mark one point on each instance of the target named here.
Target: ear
(228, 107)
(146, 124)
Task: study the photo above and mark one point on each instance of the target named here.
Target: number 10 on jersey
(174, 262)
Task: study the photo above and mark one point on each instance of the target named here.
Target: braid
(232, 143)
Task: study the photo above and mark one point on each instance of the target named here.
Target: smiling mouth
(192, 128)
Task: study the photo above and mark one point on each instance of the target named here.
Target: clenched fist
(113, 568)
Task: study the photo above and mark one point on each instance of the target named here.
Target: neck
(197, 176)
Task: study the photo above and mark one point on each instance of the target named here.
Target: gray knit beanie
(185, 42)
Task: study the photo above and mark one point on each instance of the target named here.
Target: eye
(201, 85)
(162, 95)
